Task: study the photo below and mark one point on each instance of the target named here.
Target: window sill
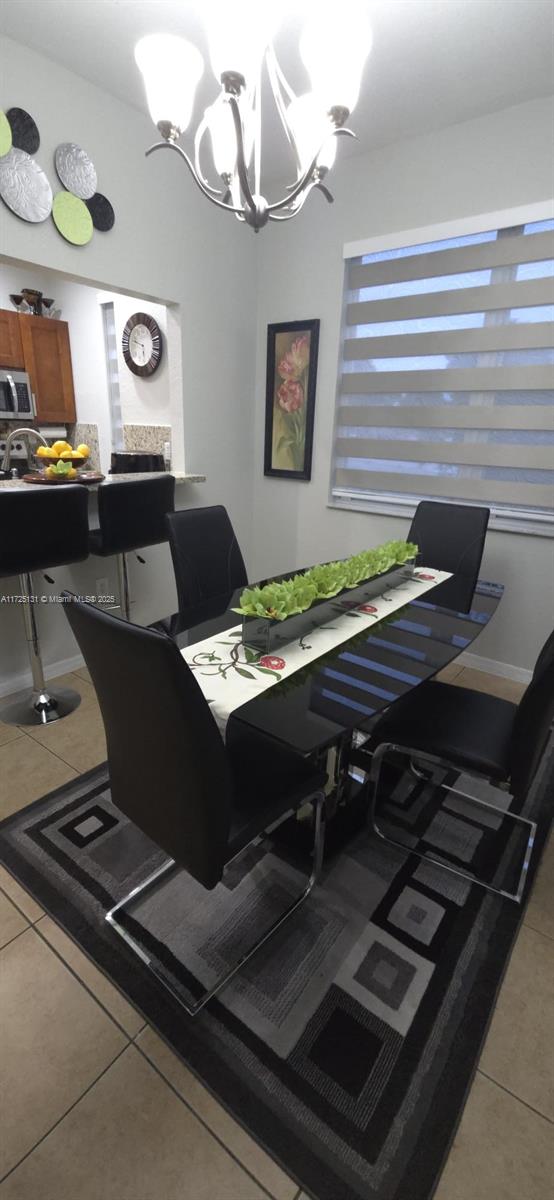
(501, 520)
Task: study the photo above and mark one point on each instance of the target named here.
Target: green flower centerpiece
(263, 609)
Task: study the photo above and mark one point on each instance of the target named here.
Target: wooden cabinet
(47, 358)
(11, 348)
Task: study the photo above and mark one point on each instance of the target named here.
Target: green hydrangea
(277, 601)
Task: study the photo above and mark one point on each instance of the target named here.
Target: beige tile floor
(94, 1106)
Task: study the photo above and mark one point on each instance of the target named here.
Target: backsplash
(83, 432)
(146, 437)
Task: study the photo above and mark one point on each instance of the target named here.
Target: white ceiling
(433, 63)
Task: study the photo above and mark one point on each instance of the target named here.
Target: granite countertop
(179, 477)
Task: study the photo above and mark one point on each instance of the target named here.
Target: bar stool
(132, 515)
(40, 528)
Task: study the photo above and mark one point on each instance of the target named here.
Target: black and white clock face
(142, 344)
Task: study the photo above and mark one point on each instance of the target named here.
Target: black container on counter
(125, 462)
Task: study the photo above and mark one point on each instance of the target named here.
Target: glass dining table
(319, 706)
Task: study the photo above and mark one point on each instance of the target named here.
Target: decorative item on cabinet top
(26, 190)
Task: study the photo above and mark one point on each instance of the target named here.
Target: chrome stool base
(36, 707)
(40, 708)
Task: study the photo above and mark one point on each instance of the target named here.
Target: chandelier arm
(321, 187)
(241, 160)
(197, 142)
(272, 71)
(308, 173)
(197, 180)
(286, 216)
(279, 73)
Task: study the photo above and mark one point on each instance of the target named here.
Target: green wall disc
(5, 134)
(72, 218)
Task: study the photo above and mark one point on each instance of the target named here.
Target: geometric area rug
(346, 1048)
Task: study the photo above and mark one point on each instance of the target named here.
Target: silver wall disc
(75, 169)
(24, 186)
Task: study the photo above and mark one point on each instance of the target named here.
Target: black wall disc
(25, 134)
(101, 211)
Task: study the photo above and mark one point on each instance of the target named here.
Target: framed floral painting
(290, 398)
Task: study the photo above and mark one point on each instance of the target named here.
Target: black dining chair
(206, 555)
(441, 725)
(450, 537)
(171, 773)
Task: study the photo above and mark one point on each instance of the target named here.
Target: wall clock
(142, 344)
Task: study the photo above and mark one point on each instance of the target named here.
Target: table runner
(230, 674)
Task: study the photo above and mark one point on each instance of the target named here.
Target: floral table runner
(230, 673)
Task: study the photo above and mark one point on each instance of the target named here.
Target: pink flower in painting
(295, 360)
(290, 396)
(272, 662)
(368, 608)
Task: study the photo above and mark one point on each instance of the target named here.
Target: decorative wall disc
(5, 134)
(25, 135)
(72, 218)
(24, 186)
(75, 169)
(101, 211)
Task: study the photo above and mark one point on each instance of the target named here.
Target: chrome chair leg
(318, 802)
(123, 580)
(37, 707)
(377, 761)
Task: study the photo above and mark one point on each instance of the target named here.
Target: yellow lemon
(83, 449)
(71, 473)
(66, 454)
(43, 452)
(77, 455)
(59, 446)
(50, 452)
(51, 472)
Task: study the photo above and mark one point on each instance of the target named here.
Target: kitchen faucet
(25, 432)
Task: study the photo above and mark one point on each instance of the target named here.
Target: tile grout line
(82, 982)
(131, 1041)
(525, 1103)
(64, 1115)
(14, 938)
(18, 907)
(527, 925)
(204, 1124)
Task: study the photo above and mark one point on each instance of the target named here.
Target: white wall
(168, 244)
(484, 165)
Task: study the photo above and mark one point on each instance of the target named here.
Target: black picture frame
(290, 399)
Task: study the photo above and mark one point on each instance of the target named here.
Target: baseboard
(19, 683)
(493, 667)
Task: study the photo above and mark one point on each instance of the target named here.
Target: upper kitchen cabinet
(11, 346)
(47, 358)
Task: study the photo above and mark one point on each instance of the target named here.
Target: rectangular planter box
(267, 635)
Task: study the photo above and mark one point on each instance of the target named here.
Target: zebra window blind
(446, 385)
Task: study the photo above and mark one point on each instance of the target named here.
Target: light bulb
(238, 36)
(171, 68)
(310, 126)
(334, 52)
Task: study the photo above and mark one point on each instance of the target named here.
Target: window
(446, 380)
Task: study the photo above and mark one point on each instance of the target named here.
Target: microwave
(16, 398)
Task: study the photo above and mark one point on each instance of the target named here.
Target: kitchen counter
(179, 477)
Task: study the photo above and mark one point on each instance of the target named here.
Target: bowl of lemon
(61, 462)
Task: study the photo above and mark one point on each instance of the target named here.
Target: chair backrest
(533, 722)
(450, 537)
(42, 527)
(206, 555)
(132, 513)
(168, 765)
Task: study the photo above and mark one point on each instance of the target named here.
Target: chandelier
(333, 49)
